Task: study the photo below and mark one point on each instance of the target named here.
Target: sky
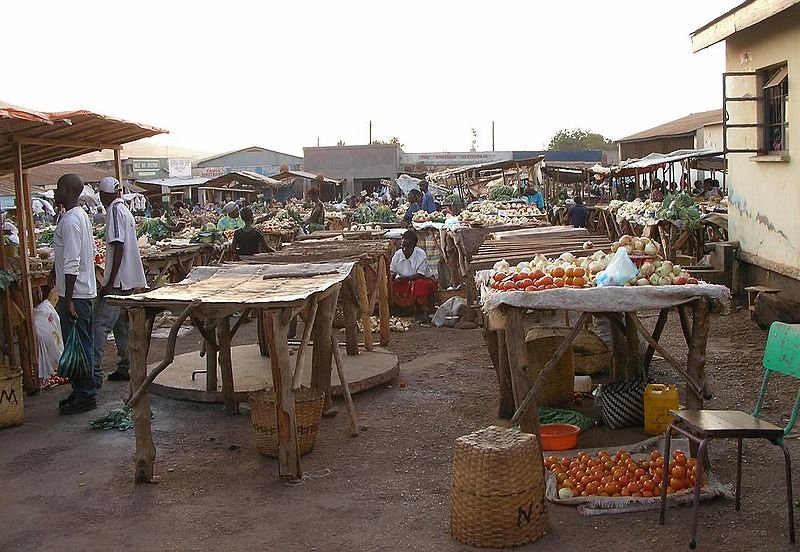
(282, 75)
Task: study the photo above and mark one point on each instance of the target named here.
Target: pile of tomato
(538, 280)
(620, 474)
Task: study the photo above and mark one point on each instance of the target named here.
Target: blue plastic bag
(619, 271)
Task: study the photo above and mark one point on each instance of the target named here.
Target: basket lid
(495, 437)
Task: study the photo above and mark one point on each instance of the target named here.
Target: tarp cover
(606, 299)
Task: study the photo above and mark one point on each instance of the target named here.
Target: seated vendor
(316, 219)
(412, 281)
(248, 240)
(230, 219)
(578, 213)
(414, 200)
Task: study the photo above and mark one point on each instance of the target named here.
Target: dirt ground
(66, 487)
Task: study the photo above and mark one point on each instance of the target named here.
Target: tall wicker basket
(11, 396)
(308, 412)
(497, 498)
(559, 387)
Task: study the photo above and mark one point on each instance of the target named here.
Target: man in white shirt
(123, 274)
(412, 283)
(73, 252)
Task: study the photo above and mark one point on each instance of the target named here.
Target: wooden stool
(497, 497)
(752, 293)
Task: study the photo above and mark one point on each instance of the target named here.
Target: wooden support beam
(28, 213)
(28, 140)
(383, 302)
(361, 287)
(276, 324)
(225, 365)
(348, 400)
(660, 323)
(307, 328)
(117, 162)
(137, 350)
(349, 306)
(322, 354)
(517, 355)
(696, 358)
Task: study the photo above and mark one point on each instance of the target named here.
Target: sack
(619, 271)
(49, 343)
(622, 403)
(73, 363)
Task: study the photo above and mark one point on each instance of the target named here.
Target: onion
(647, 269)
(595, 267)
(655, 279)
(629, 249)
(625, 240)
(650, 249)
(642, 282)
(502, 266)
(568, 257)
(638, 245)
(614, 247)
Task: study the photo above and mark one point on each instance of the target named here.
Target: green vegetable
(384, 214)
(501, 193)
(119, 418)
(364, 215)
(680, 206)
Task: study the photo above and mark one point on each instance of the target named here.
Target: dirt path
(67, 488)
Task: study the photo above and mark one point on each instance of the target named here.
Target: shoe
(77, 406)
(118, 376)
(64, 402)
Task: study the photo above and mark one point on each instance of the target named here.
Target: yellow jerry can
(659, 399)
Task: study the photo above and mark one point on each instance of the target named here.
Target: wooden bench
(752, 293)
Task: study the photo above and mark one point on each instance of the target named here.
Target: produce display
(422, 216)
(541, 273)
(396, 324)
(679, 206)
(622, 474)
(363, 228)
(636, 211)
(367, 214)
(502, 193)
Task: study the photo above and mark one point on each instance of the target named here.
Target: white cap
(109, 185)
(230, 207)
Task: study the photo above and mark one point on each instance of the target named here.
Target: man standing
(124, 274)
(428, 205)
(73, 250)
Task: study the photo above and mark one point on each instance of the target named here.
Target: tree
(393, 140)
(340, 143)
(579, 139)
(474, 142)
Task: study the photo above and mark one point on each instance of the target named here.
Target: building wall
(764, 197)
(637, 150)
(710, 136)
(352, 163)
(257, 160)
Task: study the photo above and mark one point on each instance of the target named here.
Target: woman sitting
(248, 240)
(412, 281)
(316, 219)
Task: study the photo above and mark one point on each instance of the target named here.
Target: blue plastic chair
(782, 355)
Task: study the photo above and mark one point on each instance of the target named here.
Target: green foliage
(364, 215)
(502, 193)
(453, 199)
(384, 214)
(679, 206)
(393, 140)
(579, 139)
(5, 279)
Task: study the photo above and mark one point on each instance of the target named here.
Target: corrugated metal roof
(217, 156)
(45, 177)
(49, 137)
(174, 182)
(252, 179)
(679, 127)
(302, 174)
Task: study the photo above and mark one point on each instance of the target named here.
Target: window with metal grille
(776, 94)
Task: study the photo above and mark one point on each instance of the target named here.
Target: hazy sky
(225, 75)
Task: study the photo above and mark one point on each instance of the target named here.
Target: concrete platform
(251, 372)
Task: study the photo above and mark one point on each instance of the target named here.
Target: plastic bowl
(559, 436)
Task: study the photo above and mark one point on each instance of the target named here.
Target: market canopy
(45, 177)
(632, 167)
(249, 179)
(286, 175)
(48, 137)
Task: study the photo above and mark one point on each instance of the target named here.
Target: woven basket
(559, 387)
(11, 396)
(308, 411)
(498, 498)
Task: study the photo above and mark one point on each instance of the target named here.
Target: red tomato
(507, 286)
(559, 282)
(536, 274)
(531, 288)
(499, 276)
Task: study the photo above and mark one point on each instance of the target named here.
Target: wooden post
(696, 358)
(348, 400)
(27, 342)
(517, 355)
(361, 286)
(118, 164)
(660, 323)
(349, 304)
(28, 213)
(137, 350)
(211, 361)
(618, 343)
(226, 369)
(632, 340)
(383, 302)
(277, 327)
(507, 403)
(322, 353)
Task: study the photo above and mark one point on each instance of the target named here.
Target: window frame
(774, 110)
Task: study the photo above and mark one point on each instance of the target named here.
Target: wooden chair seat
(726, 424)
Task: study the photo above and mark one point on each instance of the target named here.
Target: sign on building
(211, 172)
(455, 158)
(180, 167)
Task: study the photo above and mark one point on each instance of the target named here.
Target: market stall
(209, 295)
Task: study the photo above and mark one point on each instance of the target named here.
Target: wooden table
(173, 262)
(209, 297)
(506, 333)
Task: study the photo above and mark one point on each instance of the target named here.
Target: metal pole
(492, 135)
(370, 132)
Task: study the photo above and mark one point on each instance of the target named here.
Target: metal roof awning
(49, 137)
(248, 178)
(174, 182)
(778, 78)
(284, 175)
(656, 159)
(238, 190)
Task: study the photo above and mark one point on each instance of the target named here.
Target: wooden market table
(506, 334)
(209, 297)
(176, 262)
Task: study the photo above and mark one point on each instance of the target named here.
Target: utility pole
(492, 135)
(370, 132)
(317, 141)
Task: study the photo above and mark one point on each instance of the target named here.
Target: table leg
(211, 361)
(496, 344)
(322, 353)
(383, 302)
(225, 367)
(361, 286)
(137, 350)
(277, 329)
(664, 483)
(517, 355)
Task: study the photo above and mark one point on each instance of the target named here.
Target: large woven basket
(11, 396)
(308, 411)
(498, 493)
(559, 387)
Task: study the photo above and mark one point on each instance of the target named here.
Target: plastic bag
(73, 363)
(448, 309)
(49, 342)
(619, 271)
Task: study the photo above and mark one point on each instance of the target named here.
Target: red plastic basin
(559, 436)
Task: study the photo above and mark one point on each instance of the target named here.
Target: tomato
(655, 455)
(678, 472)
(634, 487)
(507, 286)
(648, 486)
(536, 274)
(680, 460)
(569, 272)
(639, 472)
(676, 484)
(531, 288)
(559, 282)
(499, 276)
(578, 271)
(623, 480)
(557, 272)
(579, 281)
(545, 280)
(551, 286)
(612, 488)
(647, 493)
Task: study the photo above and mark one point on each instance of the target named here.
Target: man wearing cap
(230, 219)
(124, 274)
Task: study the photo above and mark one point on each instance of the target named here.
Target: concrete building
(762, 56)
(359, 167)
(684, 133)
(262, 161)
